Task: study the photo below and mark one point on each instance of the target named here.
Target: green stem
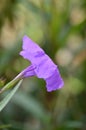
(11, 83)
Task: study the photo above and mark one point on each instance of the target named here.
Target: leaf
(7, 98)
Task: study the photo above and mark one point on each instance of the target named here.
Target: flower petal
(31, 46)
(27, 72)
(45, 68)
(54, 82)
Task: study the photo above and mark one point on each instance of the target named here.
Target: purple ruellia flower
(41, 65)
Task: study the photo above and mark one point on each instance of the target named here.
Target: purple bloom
(41, 65)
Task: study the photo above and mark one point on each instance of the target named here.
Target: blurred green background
(59, 27)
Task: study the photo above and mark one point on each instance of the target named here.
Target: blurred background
(59, 27)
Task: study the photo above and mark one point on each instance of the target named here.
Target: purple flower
(41, 65)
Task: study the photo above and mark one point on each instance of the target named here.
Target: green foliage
(60, 29)
(7, 98)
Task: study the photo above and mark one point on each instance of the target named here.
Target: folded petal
(54, 82)
(45, 67)
(31, 46)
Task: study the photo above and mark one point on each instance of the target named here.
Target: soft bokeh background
(59, 27)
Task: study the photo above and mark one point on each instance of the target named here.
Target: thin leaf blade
(7, 98)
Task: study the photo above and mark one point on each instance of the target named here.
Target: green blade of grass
(7, 98)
